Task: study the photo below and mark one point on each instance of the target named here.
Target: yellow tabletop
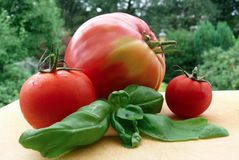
(223, 111)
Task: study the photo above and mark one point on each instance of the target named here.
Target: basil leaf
(148, 99)
(119, 98)
(83, 127)
(130, 112)
(211, 131)
(126, 130)
(163, 128)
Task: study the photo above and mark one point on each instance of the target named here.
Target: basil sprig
(135, 116)
(131, 112)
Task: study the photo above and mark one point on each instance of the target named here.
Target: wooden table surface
(223, 111)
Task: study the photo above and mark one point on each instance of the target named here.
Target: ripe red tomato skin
(46, 98)
(95, 45)
(188, 98)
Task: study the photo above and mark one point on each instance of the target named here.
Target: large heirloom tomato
(113, 51)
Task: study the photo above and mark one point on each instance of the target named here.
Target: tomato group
(187, 96)
(112, 51)
(46, 98)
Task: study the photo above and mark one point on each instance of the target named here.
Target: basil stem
(148, 99)
(127, 131)
(163, 128)
(85, 126)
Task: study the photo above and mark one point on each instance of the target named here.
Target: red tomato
(46, 98)
(111, 49)
(187, 96)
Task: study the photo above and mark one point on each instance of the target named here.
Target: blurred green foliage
(185, 57)
(204, 39)
(37, 23)
(192, 45)
(207, 36)
(175, 14)
(11, 81)
(221, 67)
(10, 42)
(225, 37)
(27, 28)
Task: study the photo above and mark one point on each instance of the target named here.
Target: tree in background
(207, 36)
(174, 14)
(10, 42)
(191, 45)
(228, 12)
(221, 67)
(225, 37)
(76, 12)
(185, 57)
(12, 78)
(26, 28)
(204, 39)
(36, 22)
(170, 14)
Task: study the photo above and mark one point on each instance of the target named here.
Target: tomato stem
(195, 74)
(52, 59)
(158, 47)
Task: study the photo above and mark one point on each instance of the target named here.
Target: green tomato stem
(195, 73)
(194, 76)
(157, 46)
(53, 58)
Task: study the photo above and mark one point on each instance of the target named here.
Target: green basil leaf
(85, 126)
(211, 131)
(163, 128)
(148, 99)
(126, 130)
(119, 98)
(130, 112)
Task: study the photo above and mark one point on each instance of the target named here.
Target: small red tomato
(46, 98)
(188, 95)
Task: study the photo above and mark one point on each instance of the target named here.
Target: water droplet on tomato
(36, 84)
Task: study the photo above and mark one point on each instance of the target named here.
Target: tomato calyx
(52, 61)
(164, 47)
(194, 75)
